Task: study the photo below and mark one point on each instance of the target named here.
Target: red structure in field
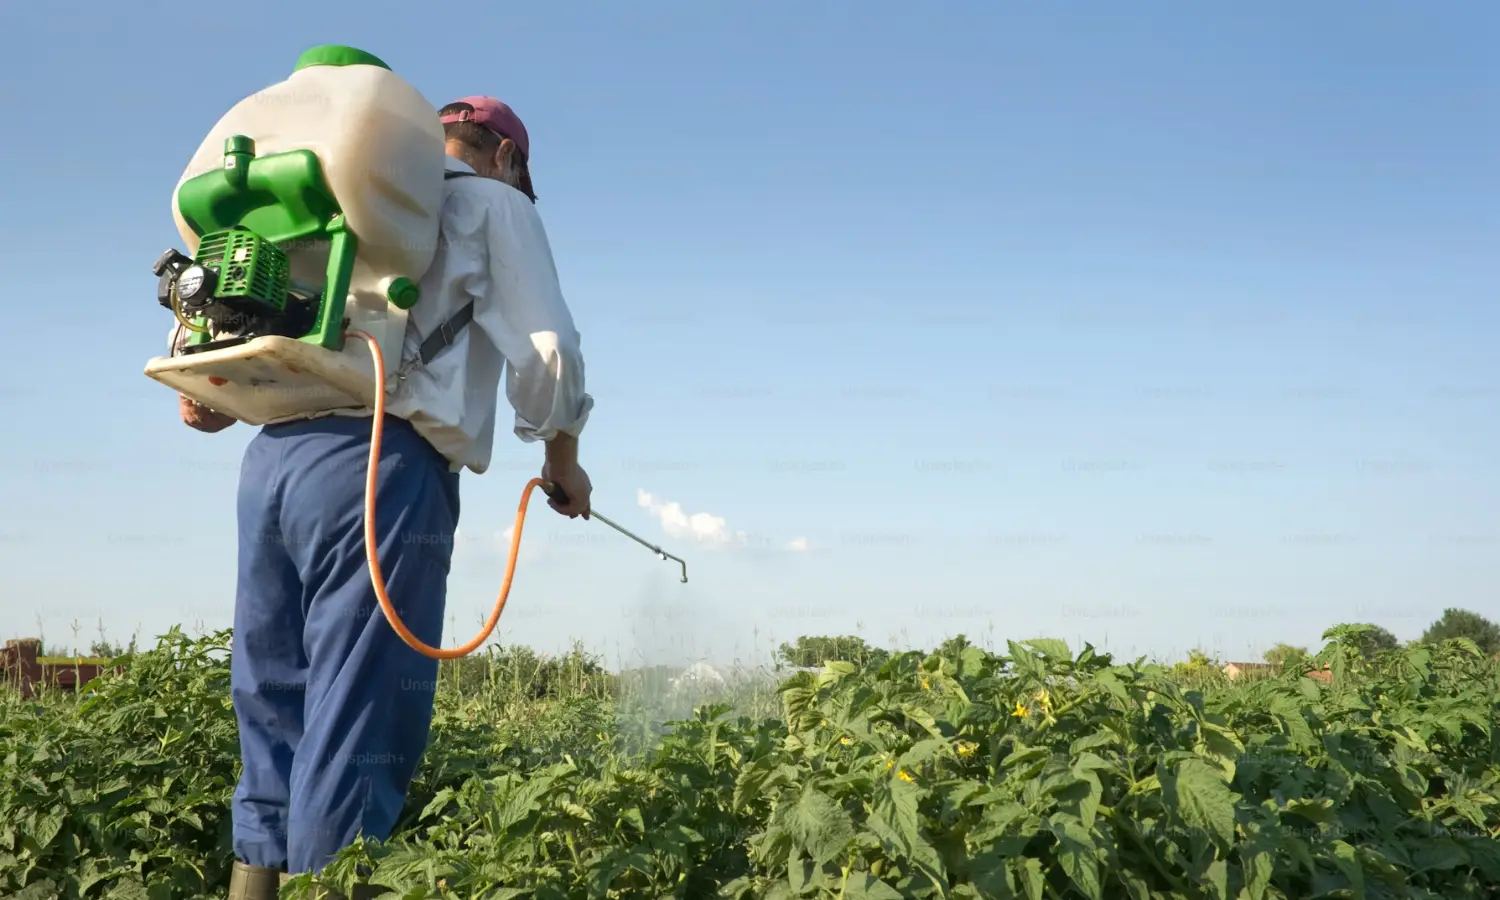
(23, 669)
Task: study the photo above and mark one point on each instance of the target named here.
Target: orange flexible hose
(373, 557)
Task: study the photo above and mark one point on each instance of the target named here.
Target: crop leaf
(1197, 792)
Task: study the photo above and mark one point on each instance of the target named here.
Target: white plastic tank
(382, 151)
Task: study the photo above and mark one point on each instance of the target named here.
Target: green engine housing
(253, 274)
(245, 213)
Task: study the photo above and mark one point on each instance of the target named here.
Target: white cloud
(704, 528)
(492, 545)
(533, 543)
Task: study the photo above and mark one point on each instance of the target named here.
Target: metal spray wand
(556, 493)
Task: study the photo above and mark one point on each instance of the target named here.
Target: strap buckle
(441, 338)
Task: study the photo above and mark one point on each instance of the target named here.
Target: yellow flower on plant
(926, 686)
(967, 748)
(889, 763)
(845, 741)
(1020, 711)
(904, 775)
(1044, 699)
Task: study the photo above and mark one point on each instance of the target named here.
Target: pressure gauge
(195, 286)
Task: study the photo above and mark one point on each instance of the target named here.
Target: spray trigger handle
(554, 492)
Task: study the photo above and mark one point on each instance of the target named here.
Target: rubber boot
(247, 882)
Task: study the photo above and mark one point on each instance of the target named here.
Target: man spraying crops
(333, 708)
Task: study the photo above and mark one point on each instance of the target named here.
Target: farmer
(333, 708)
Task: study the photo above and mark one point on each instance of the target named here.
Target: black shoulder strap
(447, 332)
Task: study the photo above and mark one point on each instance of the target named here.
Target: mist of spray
(667, 655)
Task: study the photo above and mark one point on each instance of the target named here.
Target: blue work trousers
(334, 708)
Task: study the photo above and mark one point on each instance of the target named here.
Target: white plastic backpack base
(272, 378)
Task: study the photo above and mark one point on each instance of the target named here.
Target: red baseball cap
(497, 117)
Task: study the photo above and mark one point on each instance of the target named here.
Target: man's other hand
(575, 485)
(196, 415)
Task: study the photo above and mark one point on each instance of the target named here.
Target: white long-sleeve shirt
(494, 251)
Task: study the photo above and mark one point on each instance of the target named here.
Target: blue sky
(1154, 325)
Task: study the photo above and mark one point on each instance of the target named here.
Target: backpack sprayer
(354, 197)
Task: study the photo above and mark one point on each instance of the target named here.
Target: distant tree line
(546, 676)
(1453, 623)
(100, 649)
(813, 651)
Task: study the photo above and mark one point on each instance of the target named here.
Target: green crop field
(1038, 772)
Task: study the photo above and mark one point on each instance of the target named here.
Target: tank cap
(239, 143)
(403, 293)
(337, 55)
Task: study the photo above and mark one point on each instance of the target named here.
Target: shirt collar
(454, 164)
